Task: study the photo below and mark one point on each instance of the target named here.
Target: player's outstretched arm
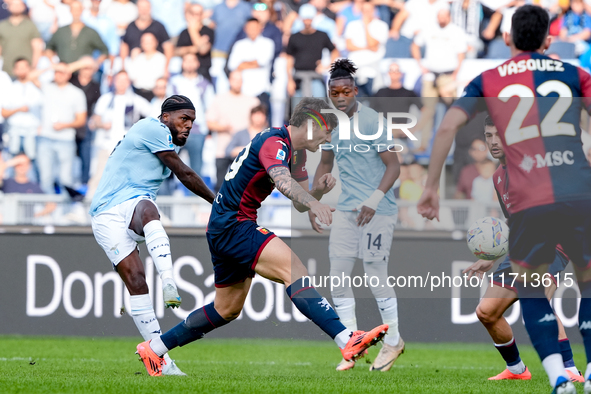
(428, 204)
(291, 189)
(186, 175)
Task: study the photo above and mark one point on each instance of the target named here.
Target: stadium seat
(498, 50)
(564, 50)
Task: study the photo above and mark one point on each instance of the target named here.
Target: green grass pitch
(87, 365)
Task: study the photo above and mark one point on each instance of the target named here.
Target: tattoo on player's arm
(289, 186)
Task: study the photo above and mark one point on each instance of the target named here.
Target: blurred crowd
(77, 74)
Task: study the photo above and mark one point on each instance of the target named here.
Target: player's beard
(175, 140)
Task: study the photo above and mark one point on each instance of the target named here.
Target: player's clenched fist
(428, 204)
(325, 184)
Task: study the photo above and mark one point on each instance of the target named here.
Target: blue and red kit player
(501, 294)
(535, 102)
(240, 247)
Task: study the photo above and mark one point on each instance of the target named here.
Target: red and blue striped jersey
(535, 103)
(247, 182)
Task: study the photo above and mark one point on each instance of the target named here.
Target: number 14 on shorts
(377, 241)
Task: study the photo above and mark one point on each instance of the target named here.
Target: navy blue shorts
(535, 232)
(235, 252)
(502, 277)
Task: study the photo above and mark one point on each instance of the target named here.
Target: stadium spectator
(304, 57)
(196, 38)
(576, 27)
(366, 42)
(171, 14)
(122, 13)
(501, 18)
(20, 182)
(229, 113)
(114, 114)
(395, 98)
(104, 26)
(467, 14)
(19, 38)
(5, 83)
(262, 13)
(258, 122)
(72, 42)
(412, 186)
(4, 13)
(82, 79)
(483, 189)
(321, 21)
(131, 41)
(253, 56)
(200, 91)
(414, 16)
(348, 14)
(445, 49)
(159, 92)
(22, 110)
(228, 17)
(64, 110)
(43, 15)
(146, 67)
(479, 154)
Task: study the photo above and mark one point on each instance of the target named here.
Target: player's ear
(507, 38)
(546, 43)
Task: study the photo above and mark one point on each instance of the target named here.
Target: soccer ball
(488, 238)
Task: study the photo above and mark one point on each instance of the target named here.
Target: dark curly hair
(529, 27)
(342, 69)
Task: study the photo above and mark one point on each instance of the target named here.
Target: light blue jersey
(133, 169)
(361, 172)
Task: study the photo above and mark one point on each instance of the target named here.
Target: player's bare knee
(229, 313)
(487, 316)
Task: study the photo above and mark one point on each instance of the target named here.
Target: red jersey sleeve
(274, 152)
(298, 166)
(585, 80)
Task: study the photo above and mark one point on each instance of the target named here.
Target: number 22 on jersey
(550, 125)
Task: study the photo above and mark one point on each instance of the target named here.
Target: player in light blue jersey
(124, 213)
(366, 214)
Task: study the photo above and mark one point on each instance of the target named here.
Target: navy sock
(567, 353)
(585, 317)
(197, 324)
(510, 353)
(315, 307)
(540, 320)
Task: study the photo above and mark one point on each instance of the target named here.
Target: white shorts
(111, 230)
(371, 242)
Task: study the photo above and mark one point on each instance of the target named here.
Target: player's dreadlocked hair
(342, 69)
(174, 103)
(310, 108)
